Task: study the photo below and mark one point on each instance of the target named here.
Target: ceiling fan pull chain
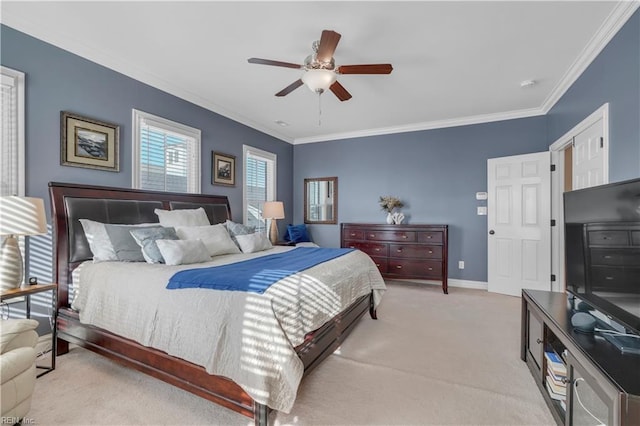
(319, 108)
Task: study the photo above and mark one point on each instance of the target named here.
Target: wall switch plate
(461, 264)
(482, 210)
(481, 196)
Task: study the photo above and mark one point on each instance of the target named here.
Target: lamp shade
(318, 80)
(22, 216)
(273, 210)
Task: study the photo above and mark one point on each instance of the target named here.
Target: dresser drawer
(382, 264)
(353, 234)
(615, 257)
(608, 238)
(415, 268)
(408, 236)
(614, 278)
(635, 238)
(372, 249)
(415, 251)
(434, 237)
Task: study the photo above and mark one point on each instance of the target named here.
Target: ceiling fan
(320, 71)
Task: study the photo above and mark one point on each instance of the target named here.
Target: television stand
(583, 378)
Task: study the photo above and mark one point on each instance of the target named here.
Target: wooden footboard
(193, 378)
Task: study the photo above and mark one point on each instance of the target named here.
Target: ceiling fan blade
(365, 69)
(290, 88)
(340, 92)
(274, 63)
(328, 43)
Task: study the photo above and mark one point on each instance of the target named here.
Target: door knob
(491, 232)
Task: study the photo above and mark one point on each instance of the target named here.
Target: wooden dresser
(402, 251)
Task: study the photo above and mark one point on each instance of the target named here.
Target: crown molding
(429, 125)
(609, 28)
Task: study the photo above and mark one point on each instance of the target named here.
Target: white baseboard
(478, 285)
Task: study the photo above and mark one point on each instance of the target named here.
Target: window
(12, 173)
(259, 184)
(166, 154)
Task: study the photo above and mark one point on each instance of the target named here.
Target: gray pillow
(124, 246)
(238, 229)
(147, 237)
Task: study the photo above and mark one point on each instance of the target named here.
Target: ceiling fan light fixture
(318, 80)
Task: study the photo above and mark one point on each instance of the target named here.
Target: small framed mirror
(321, 200)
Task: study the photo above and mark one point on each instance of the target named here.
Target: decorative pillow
(236, 229)
(214, 237)
(124, 246)
(251, 243)
(147, 237)
(187, 217)
(100, 242)
(297, 234)
(182, 252)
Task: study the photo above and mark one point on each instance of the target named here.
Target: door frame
(557, 187)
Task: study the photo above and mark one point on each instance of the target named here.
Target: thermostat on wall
(481, 195)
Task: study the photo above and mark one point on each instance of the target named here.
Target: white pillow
(214, 237)
(187, 217)
(182, 252)
(251, 243)
(99, 241)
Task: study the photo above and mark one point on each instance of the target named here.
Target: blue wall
(436, 173)
(57, 80)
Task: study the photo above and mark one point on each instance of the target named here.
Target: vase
(398, 218)
(390, 218)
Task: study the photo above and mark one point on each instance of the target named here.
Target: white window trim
(171, 127)
(249, 150)
(19, 84)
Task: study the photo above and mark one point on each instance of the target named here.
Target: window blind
(259, 185)
(12, 132)
(167, 155)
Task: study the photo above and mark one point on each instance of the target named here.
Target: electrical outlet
(461, 264)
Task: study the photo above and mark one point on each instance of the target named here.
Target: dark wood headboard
(70, 202)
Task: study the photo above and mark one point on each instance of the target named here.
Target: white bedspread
(247, 337)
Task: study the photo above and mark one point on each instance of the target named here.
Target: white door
(589, 157)
(519, 223)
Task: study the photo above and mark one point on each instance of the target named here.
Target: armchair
(17, 366)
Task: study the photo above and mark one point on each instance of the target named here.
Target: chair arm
(16, 362)
(17, 333)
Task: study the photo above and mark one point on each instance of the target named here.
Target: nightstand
(27, 291)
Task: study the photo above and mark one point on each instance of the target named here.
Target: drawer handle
(606, 257)
(430, 268)
(377, 249)
(608, 278)
(378, 265)
(372, 235)
(404, 236)
(538, 341)
(399, 250)
(428, 237)
(353, 234)
(398, 266)
(352, 246)
(430, 251)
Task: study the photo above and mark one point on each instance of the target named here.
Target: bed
(173, 362)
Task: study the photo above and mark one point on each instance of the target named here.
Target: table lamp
(273, 210)
(18, 216)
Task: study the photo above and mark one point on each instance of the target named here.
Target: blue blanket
(254, 275)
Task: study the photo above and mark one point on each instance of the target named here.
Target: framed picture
(89, 143)
(223, 169)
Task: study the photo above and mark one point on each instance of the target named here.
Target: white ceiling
(457, 62)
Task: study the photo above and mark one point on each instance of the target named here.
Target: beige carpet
(429, 359)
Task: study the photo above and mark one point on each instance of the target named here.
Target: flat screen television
(602, 249)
